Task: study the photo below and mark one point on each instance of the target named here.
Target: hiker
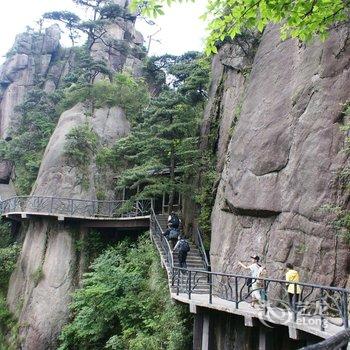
(172, 234)
(255, 269)
(183, 247)
(174, 220)
(294, 290)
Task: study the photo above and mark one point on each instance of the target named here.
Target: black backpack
(184, 246)
(174, 233)
(174, 220)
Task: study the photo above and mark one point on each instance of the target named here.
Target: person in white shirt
(255, 269)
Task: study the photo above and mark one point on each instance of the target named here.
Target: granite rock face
(49, 267)
(282, 162)
(57, 176)
(35, 55)
(40, 288)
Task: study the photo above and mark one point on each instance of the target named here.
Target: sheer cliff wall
(281, 165)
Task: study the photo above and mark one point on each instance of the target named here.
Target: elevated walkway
(322, 311)
(89, 213)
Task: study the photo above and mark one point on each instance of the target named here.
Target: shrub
(124, 304)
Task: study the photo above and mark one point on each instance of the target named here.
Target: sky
(178, 31)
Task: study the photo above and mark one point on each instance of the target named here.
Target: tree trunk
(172, 178)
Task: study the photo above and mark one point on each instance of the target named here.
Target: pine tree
(164, 139)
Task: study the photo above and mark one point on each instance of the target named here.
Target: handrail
(75, 207)
(329, 305)
(165, 243)
(269, 280)
(336, 342)
(200, 245)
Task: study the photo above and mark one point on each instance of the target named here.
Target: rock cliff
(282, 163)
(49, 267)
(34, 57)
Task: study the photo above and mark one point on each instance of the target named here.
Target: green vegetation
(340, 214)
(37, 275)
(123, 90)
(165, 135)
(102, 13)
(9, 251)
(124, 304)
(79, 149)
(300, 18)
(38, 118)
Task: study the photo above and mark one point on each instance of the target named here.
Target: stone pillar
(197, 331)
(205, 332)
(262, 339)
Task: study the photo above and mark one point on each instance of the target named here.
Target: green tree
(300, 18)
(103, 12)
(124, 304)
(165, 136)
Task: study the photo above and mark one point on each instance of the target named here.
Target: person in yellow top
(294, 290)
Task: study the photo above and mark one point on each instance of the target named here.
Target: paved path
(271, 315)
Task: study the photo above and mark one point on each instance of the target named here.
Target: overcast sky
(180, 29)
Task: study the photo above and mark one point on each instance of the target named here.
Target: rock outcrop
(50, 267)
(34, 56)
(282, 162)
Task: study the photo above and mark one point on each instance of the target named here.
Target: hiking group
(256, 285)
(177, 241)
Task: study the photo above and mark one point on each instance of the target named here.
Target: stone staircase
(199, 283)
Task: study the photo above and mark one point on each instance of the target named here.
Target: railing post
(110, 209)
(210, 277)
(321, 309)
(294, 303)
(189, 283)
(178, 282)
(71, 207)
(265, 297)
(345, 310)
(236, 292)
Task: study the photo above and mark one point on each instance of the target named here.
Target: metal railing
(157, 231)
(198, 239)
(73, 207)
(324, 305)
(336, 342)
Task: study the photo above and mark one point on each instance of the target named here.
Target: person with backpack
(183, 247)
(173, 220)
(172, 234)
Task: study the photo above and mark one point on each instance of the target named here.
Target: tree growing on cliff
(164, 138)
(103, 13)
(300, 18)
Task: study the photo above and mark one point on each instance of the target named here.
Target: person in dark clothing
(173, 220)
(172, 234)
(183, 247)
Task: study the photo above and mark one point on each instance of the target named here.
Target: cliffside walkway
(322, 310)
(92, 213)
